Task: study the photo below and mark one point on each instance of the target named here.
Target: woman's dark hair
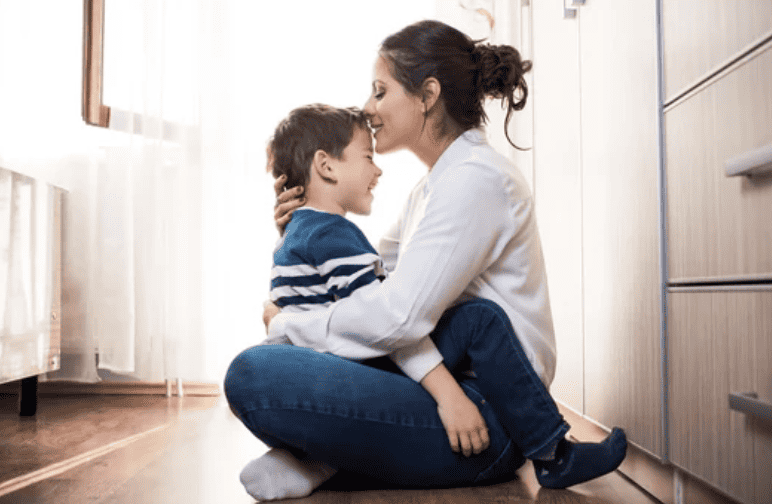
(467, 70)
(306, 130)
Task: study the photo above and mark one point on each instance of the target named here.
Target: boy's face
(357, 174)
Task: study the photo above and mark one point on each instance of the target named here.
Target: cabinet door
(763, 387)
(620, 221)
(557, 187)
(596, 189)
(719, 227)
(719, 343)
(58, 197)
(701, 35)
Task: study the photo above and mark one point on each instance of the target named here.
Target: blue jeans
(384, 425)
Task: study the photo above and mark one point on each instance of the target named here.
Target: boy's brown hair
(306, 130)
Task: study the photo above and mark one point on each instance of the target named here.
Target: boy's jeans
(384, 425)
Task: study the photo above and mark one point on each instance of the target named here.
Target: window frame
(95, 112)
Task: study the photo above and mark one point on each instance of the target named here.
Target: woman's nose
(369, 108)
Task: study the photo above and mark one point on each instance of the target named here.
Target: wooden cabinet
(701, 35)
(719, 227)
(620, 221)
(619, 231)
(597, 200)
(718, 343)
(719, 235)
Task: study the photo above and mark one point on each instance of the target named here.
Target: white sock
(279, 475)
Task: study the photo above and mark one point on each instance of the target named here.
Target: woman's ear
(430, 90)
(322, 165)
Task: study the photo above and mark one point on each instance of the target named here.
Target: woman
(466, 268)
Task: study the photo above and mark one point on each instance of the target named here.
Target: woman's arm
(467, 219)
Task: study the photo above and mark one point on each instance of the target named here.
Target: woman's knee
(262, 372)
(245, 372)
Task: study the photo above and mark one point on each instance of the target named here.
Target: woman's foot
(279, 475)
(579, 462)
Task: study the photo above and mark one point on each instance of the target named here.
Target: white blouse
(467, 230)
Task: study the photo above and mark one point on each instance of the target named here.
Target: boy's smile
(357, 174)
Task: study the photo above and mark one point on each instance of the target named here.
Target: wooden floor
(154, 450)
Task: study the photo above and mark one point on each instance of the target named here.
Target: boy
(323, 257)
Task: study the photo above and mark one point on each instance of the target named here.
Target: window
(95, 112)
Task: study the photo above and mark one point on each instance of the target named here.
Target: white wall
(511, 23)
(41, 131)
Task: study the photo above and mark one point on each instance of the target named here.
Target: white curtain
(168, 220)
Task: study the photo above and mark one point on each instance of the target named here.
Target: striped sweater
(321, 258)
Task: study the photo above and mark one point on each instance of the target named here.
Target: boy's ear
(323, 166)
(430, 90)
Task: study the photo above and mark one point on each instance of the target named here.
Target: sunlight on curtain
(282, 55)
(168, 221)
(250, 64)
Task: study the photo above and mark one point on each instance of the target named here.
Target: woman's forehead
(381, 70)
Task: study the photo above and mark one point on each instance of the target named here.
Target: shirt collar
(457, 151)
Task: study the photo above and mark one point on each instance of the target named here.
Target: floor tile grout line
(57, 468)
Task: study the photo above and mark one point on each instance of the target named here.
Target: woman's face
(396, 117)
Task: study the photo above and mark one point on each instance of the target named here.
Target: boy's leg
(359, 419)
(481, 331)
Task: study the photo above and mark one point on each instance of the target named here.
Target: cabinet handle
(749, 404)
(570, 7)
(750, 163)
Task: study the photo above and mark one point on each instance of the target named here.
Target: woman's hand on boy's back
(287, 201)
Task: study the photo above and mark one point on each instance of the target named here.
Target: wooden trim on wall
(94, 112)
(115, 388)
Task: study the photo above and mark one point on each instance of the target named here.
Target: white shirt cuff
(417, 360)
(277, 328)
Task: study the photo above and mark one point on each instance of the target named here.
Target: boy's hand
(270, 310)
(286, 202)
(464, 425)
(462, 420)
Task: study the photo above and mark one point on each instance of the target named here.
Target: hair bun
(501, 71)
